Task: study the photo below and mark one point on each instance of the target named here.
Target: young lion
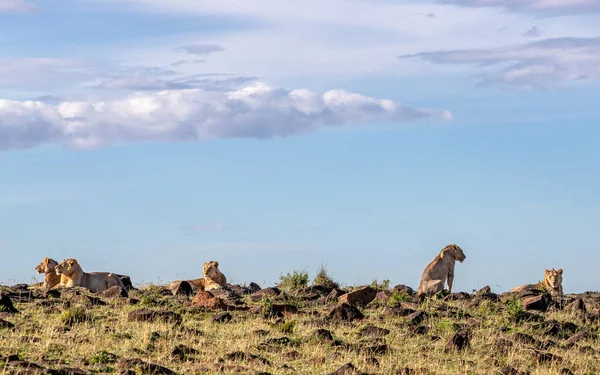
(213, 278)
(47, 267)
(440, 270)
(552, 283)
(74, 276)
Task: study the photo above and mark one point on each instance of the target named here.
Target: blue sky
(145, 137)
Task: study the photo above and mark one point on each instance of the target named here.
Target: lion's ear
(559, 271)
(216, 264)
(204, 264)
(546, 271)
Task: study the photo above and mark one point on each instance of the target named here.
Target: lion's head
(456, 252)
(68, 267)
(211, 269)
(46, 266)
(553, 278)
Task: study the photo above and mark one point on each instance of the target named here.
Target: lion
(213, 278)
(440, 270)
(74, 276)
(552, 283)
(47, 267)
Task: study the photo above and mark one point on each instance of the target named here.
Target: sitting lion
(47, 267)
(440, 270)
(72, 276)
(552, 283)
(213, 278)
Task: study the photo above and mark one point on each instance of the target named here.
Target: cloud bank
(16, 6)
(540, 64)
(539, 7)
(255, 111)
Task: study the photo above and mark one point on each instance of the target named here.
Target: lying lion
(72, 276)
(440, 270)
(213, 278)
(552, 283)
(47, 267)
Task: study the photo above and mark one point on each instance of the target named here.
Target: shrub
(103, 357)
(396, 298)
(323, 278)
(288, 327)
(384, 285)
(294, 280)
(74, 315)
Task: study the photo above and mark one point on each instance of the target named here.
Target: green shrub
(288, 327)
(396, 298)
(384, 285)
(323, 278)
(74, 315)
(294, 280)
(103, 358)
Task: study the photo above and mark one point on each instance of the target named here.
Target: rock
(267, 292)
(126, 280)
(182, 352)
(144, 367)
(545, 357)
(347, 369)
(459, 341)
(114, 292)
(221, 317)
(374, 331)
(460, 296)
(127, 372)
(578, 306)
(579, 336)
(403, 289)
(5, 324)
(359, 297)
(335, 294)
(284, 309)
(207, 300)
(146, 315)
(181, 288)
(51, 293)
(383, 296)
(540, 302)
(254, 287)
(292, 355)
(245, 356)
(379, 349)
(485, 290)
(6, 304)
(416, 317)
(397, 311)
(345, 311)
(322, 334)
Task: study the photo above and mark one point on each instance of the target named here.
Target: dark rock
(578, 306)
(460, 296)
(293, 355)
(284, 309)
(181, 288)
(267, 292)
(403, 289)
(6, 304)
(416, 317)
(566, 371)
(52, 293)
(221, 317)
(335, 294)
(459, 341)
(126, 280)
(144, 367)
(345, 311)
(579, 336)
(146, 315)
(359, 297)
(182, 352)
(68, 371)
(375, 349)
(485, 290)
(545, 357)
(5, 324)
(374, 331)
(322, 334)
(418, 330)
(383, 296)
(114, 292)
(537, 303)
(347, 369)
(397, 311)
(526, 316)
(254, 287)
(244, 356)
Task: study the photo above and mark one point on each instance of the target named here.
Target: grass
(97, 337)
(293, 281)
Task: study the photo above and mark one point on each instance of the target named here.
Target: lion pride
(552, 282)
(440, 270)
(73, 276)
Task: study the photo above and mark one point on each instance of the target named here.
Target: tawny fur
(47, 267)
(441, 270)
(552, 282)
(213, 278)
(74, 276)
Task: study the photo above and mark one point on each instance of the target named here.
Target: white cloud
(539, 64)
(255, 111)
(16, 6)
(540, 7)
(200, 49)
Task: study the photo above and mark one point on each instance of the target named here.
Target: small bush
(447, 326)
(384, 285)
(73, 316)
(294, 280)
(514, 307)
(323, 278)
(396, 298)
(103, 358)
(288, 327)
(267, 308)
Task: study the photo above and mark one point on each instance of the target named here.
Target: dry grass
(96, 338)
